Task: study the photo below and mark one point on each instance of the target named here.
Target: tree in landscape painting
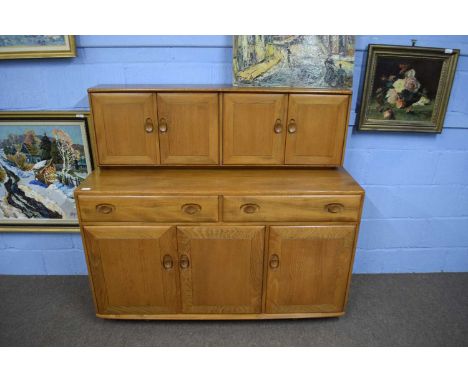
(68, 154)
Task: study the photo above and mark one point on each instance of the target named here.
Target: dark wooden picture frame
(407, 88)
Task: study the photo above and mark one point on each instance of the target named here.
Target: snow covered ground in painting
(56, 197)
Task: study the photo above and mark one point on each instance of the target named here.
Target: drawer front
(291, 208)
(148, 208)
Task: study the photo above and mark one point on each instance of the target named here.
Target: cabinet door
(316, 129)
(125, 128)
(188, 128)
(253, 128)
(308, 268)
(221, 269)
(133, 269)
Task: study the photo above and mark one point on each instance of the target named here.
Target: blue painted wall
(416, 209)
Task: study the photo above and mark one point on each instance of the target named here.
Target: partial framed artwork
(407, 88)
(300, 61)
(36, 46)
(44, 156)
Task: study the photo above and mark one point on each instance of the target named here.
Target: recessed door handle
(334, 208)
(250, 208)
(167, 262)
(162, 125)
(274, 261)
(149, 125)
(292, 126)
(191, 208)
(105, 208)
(278, 128)
(184, 262)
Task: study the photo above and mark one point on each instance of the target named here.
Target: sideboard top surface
(208, 88)
(119, 181)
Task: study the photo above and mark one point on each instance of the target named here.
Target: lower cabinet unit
(210, 244)
(221, 269)
(308, 268)
(133, 269)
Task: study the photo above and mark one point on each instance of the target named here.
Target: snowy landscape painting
(41, 164)
(316, 61)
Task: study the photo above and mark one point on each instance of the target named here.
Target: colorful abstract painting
(311, 61)
(41, 164)
(36, 46)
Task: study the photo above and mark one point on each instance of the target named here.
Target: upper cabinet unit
(220, 126)
(188, 128)
(124, 125)
(316, 129)
(253, 130)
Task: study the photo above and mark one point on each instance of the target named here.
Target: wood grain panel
(225, 271)
(126, 264)
(149, 208)
(191, 120)
(291, 208)
(190, 182)
(119, 125)
(321, 127)
(312, 273)
(248, 128)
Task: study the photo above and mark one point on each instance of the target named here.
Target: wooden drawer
(148, 208)
(291, 208)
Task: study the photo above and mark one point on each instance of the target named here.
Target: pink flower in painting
(412, 84)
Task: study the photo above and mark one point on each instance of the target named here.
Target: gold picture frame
(33, 185)
(406, 88)
(37, 46)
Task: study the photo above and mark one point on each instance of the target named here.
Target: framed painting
(43, 158)
(36, 46)
(311, 61)
(407, 88)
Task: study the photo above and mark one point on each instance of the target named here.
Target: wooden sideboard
(228, 210)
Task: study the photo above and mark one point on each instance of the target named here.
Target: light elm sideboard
(219, 203)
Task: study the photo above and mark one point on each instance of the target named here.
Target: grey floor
(384, 310)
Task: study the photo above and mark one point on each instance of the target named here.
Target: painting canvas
(36, 46)
(407, 88)
(41, 164)
(311, 61)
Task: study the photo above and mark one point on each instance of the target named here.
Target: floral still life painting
(407, 88)
(41, 164)
(307, 61)
(36, 46)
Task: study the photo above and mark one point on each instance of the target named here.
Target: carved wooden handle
(184, 262)
(278, 126)
(191, 208)
(162, 125)
(167, 262)
(274, 261)
(149, 125)
(334, 208)
(292, 127)
(250, 208)
(105, 208)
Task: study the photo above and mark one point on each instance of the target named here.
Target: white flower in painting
(422, 101)
(399, 85)
(392, 96)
